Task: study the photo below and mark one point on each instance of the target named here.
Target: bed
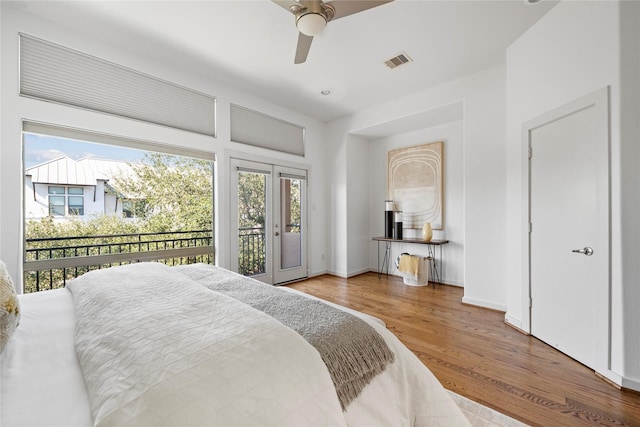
(151, 345)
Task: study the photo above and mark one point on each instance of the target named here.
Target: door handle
(277, 233)
(586, 251)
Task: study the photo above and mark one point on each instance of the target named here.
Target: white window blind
(257, 129)
(55, 73)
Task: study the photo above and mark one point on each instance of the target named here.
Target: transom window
(65, 201)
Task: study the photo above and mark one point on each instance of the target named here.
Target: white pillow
(9, 307)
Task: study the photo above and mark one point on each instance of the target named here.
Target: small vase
(427, 233)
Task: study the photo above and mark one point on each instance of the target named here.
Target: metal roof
(64, 171)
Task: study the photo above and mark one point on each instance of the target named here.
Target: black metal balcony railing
(252, 251)
(51, 262)
(62, 247)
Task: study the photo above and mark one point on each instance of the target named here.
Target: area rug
(482, 416)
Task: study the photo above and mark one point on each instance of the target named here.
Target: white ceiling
(250, 45)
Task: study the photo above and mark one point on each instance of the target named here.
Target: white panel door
(569, 239)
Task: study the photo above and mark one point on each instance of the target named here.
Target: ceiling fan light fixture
(311, 23)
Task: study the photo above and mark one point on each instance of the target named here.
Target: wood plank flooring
(474, 353)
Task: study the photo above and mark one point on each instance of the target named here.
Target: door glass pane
(252, 215)
(291, 248)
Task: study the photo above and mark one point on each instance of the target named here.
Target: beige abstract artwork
(415, 184)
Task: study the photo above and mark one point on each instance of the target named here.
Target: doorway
(269, 218)
(569, 229)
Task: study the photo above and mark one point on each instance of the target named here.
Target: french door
(268, 221)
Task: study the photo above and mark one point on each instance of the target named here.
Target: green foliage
(48, 227)
(252, 214)
(252, 211)
(172, 193)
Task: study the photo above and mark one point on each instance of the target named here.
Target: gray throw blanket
(352, 350)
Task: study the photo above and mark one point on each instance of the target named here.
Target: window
(76, 200)
(92, 201)
(127, 209)
(66, 200)
(134, 208)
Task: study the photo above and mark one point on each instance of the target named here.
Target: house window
(127, 209)
(66, 200)
(76, 200)
(134, 208)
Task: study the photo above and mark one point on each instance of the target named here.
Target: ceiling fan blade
(286, 4)
(349, 7)
(304, 44)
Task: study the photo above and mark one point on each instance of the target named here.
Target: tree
(252, 214)
(172, 193)
(251, 200)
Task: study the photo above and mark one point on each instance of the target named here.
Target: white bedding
(42, 384)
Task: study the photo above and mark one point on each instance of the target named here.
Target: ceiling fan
(313, 15)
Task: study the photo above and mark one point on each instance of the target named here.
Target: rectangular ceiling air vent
(396, 61)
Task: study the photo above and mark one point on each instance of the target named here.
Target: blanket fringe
(353, 370)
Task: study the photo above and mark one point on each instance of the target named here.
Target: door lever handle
(586, 251)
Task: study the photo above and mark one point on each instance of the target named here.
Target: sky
(40, 149)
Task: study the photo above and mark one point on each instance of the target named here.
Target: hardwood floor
(474, 353)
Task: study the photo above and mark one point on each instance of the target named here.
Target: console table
(430, 248)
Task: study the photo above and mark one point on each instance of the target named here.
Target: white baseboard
(335, 273)
(630, 383)
(444, 281)
(318, 273)
(516, 323)
(484, 304)
(620, 381)
(347, 275)
(357, 272)
(452, 283)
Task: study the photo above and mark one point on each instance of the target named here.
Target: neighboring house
(64, 188)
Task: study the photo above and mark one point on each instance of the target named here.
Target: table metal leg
(385, 259)
(434, 262)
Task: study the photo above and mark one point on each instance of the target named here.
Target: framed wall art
(414, 183)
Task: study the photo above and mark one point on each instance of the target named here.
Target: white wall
(359, 171)
(630, 191)
(15, 108)
(484, 184)
(451, 134)
(336, 205)
(477, 220)
(572, 51)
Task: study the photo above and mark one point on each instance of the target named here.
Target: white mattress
(42, 383)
